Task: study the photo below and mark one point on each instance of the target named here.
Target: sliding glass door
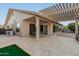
(32, 29)
(43, 29)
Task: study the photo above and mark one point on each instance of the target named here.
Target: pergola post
(51, 28)
(76, 27)
(37, 28)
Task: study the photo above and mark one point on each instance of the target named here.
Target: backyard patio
(53, 45)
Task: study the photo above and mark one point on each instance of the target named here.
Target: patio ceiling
(62, 11)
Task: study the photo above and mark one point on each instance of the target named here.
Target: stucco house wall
(18, 17)
(25, 27)
(25, 19)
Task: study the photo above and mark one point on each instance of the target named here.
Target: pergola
(63, 12)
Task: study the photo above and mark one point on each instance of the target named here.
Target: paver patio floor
(50, 46)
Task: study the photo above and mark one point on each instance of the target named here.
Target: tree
(65, 27)
(71, 27)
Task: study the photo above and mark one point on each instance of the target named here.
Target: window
(18, 27)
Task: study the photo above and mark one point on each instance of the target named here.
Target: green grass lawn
(13, 50)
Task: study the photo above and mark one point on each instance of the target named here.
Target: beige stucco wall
(18, 17)
(10, 22)
(50, 28)
(25, 27)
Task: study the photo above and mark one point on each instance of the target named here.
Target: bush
(71, 27)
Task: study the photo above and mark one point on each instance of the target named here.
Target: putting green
(13, 50)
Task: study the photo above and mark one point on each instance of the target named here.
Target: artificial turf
(12, 50)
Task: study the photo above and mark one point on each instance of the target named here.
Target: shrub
(71, 27)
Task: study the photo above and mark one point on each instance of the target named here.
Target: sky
(27, 6)
(65, 23)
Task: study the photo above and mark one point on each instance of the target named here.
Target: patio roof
(62, 11)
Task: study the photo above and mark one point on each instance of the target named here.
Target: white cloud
(66, 22)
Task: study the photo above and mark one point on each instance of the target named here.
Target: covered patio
(36, 26)
(63, 12)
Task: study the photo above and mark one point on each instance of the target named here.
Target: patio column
(51, 28)
(37, 28)
(76, 26)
